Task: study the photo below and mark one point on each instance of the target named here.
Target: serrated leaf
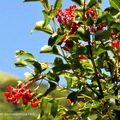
(115, 4)
(102, 35)
(54, 108)
(40, 27)
(20, 63)
(21, 53)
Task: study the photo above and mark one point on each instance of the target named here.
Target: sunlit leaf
(78, 2)
(20, 63)
(40, 27)
(21, 53)
(115, 4)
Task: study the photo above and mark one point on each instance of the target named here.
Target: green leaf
(36, 64)
(71, 112)
(100, 50)
(91, 3)
(54, 108)
(60, 67)
(52, 87)
(81, 50)
(115, 4)
(58, 60)
(83, 34)
(20, 63)
(116, 25)
(43, 106)
(48, 49)
(105, 17)
(73, 97)
(52, 76)
(40, 27)
(69, 81)
(79, 2)
(47, 18)
(21, 53)
(93, 117)
(58, 4)
(30, 0)
(55, 39)
(112, 10)
(102, 35)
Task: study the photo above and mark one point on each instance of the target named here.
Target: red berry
(115, 43)
(82, 57)
(35, 104)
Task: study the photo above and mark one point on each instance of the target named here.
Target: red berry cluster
(13, 94)
(67, 15)
(115, 43)
(91, 13)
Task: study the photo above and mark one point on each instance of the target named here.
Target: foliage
(85, 40)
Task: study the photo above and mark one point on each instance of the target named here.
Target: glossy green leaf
(112, 10)
(58, 4)
(78, 2)
(58, 60)
(36, 64)
(115, 4)
(116, 25)
(105, 17)
(55, 39)
(72, 96)
(43, 106)
(83, 34)
(100, 50)
(47, 18)
(48, 49)
(52, 76)
(51, 88)
(91, 3)
(54, 108)
(102, 35)
(60, 67)
(21, 53)
(20, 63)
(40, 27)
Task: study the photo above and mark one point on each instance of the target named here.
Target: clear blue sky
(16, 21)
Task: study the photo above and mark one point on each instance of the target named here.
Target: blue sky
(16, 21)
